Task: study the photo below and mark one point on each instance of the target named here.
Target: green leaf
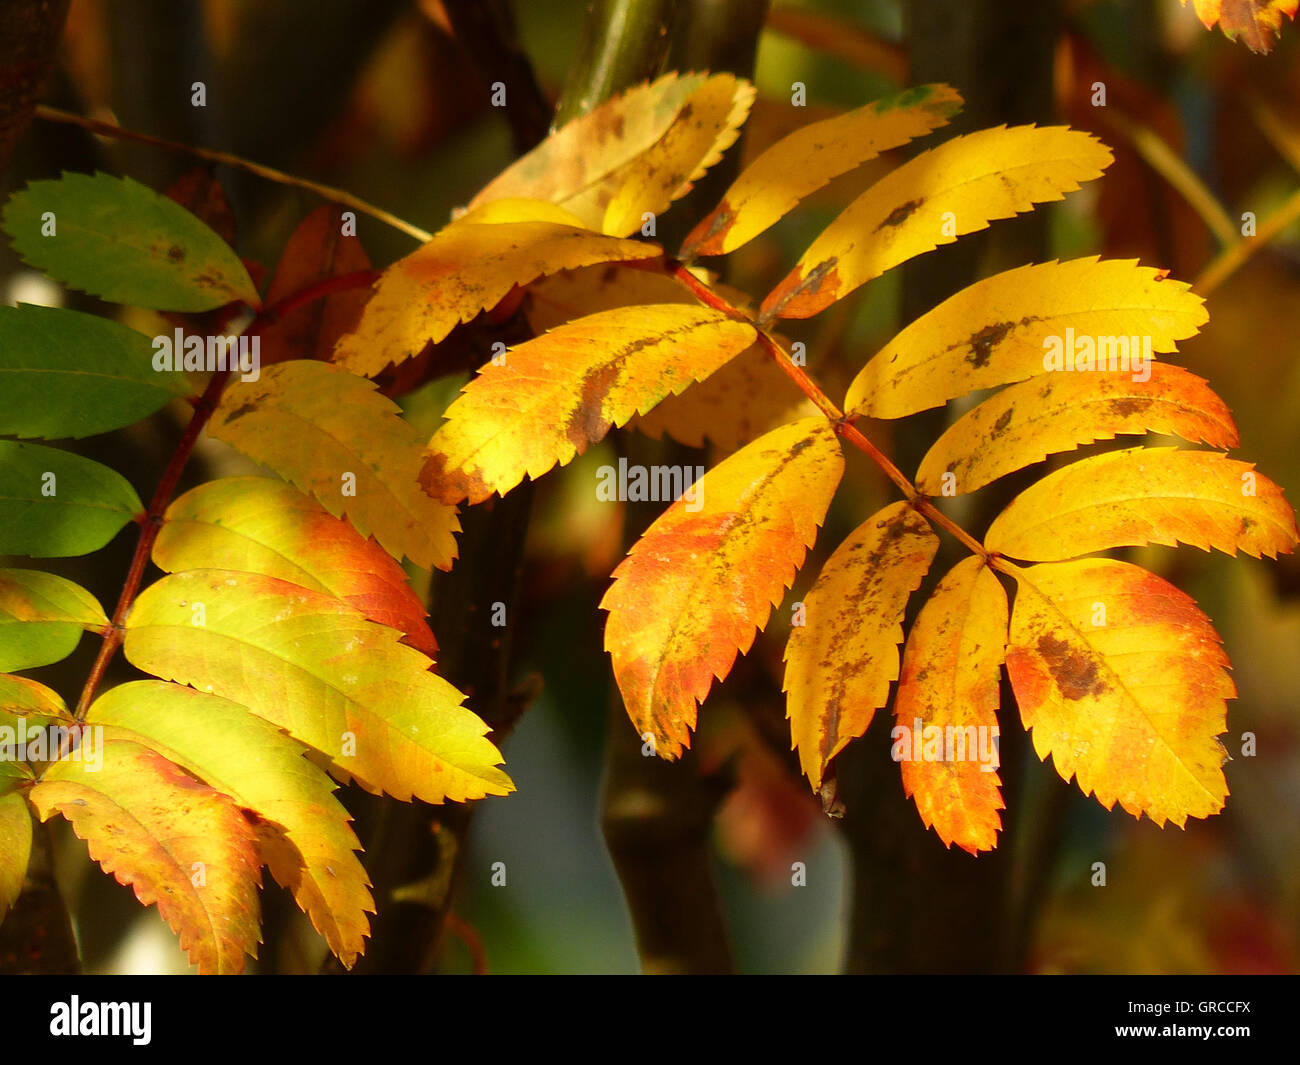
(117, 239)
(307, 841)
(15, 838)
(41, 618)
(54, 504)
(29, 699)
(68, 374)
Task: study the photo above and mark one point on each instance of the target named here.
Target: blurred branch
(1231, 259)
(339, 196)
(1165, 161)
(36, 935)
(29, 32)
(843, 40)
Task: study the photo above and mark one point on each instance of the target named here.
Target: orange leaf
(554, 395)
(951, 671)
(177, 842)
(1140, 496)
(1256, 22)
(703, 578)
(1122, 681)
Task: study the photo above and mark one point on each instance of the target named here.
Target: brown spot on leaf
(900, 214)
(450, 484)
(1127, 407)
(1075, 673)
(587, 424)
(983, 343)
(176, 253)
(1004, 419)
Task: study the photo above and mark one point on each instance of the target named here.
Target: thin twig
(1231, 259)
(327, 192)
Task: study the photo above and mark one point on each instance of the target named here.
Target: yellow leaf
(1122, 681)
(575, 164)
(179, 843)
(1004, 328)
(1256, 22)
(949, 682)
(466, 268)
(933, 199)
(311, 664)
(705, 127)
(334, 436)
(1026, 422)
(840, 662)
(303, 831)
(554, 395)
(809, 158)
(15, 837)
(1140, 496)
(704, 577)
(747, 397)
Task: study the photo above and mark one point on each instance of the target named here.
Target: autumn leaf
(1146, 495)
(933, 199)
(333, 435)
(178, 843)
(42, 617)
(707, 124)
(1026, 422)
(553, 396)
(950, 678)
(704, 577)
(1001, 329)
(316, 667)
(466, 268)
(303, 833)
(1256, 22)
(316, 251)
(259, 525)
(15, 833)
(840, 661)
(807, 159)
(576, 166)
(1123, 681)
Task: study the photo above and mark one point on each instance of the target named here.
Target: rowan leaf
(704, 577)
(1142, 495)
(1131, 706)
(952, 666)
(68, 374)
(748, 396)
(701, 132)
(303, 832)
(260, 525)
(316, 251)
(1026, 422)
(333, 435)
(810, 157)
(15, 833)
(41, 618)
(123, 242)
(466, 268)
(575, 166)
(840, 662)
(1004, 329)
(554, 395)
(314, 666)
(54, 504)
(179, 843)
(24, 697)
(933, 199)
(1256, 22)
